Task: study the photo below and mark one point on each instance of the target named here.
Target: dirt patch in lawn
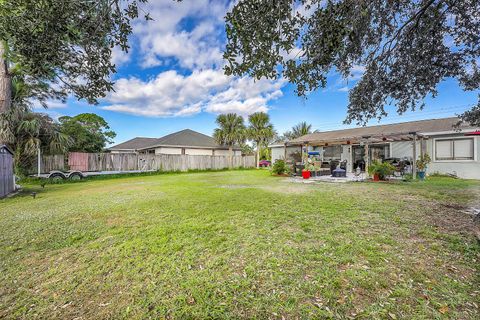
(289, 189)
(235, 186)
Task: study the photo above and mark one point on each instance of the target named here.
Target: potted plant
(380, 170)
(305, 173)
(422, 165)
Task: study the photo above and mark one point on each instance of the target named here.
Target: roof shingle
(420, 126)
(183, 138)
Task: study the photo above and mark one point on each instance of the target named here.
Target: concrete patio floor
(349, 178)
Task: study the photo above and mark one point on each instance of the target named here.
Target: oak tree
(405, 47)
(63, 47)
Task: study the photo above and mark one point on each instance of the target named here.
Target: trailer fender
(56, 175)
(76, 175)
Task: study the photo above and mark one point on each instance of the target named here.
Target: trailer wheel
(75, 176)
(56, 176)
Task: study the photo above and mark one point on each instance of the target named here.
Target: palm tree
(260, 131)
(301, 129)
(231, 131)
(27, 131)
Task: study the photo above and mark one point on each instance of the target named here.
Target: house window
(454, 149)
(332, 153)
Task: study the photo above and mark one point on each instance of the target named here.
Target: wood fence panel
(6, 174)
(78, 161)
(51, 162)
(145, 162)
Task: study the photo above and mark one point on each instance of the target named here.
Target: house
(7, 178)
(182, 142)
(452, 150)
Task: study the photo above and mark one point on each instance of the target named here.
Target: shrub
(382, 169)
(423, 162)
(279, 167)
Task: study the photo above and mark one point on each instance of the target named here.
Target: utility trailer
(78, 175)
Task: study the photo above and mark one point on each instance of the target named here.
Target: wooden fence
(144, 162)
(55, 162)
(7, 184)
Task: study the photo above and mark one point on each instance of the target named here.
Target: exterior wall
(467, 169)
(122, 151)
(195, 152)
(221, 152)
(279, 152)
(164, 150)
(224, 152)
(402, 149)
(199, 152)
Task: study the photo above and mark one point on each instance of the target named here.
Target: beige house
(452, 150)
(187, 142)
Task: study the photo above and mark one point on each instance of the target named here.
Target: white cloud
(164, 37)
(120, 57)
(188, 36)
(51, 104)
(343, 89)
(171, 94)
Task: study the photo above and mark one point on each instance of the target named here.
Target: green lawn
(239, 244)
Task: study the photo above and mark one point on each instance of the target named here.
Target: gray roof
(404, 128)
(183, 138)
(134, 144)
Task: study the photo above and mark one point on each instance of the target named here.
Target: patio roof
(374, 134)
(409, 136)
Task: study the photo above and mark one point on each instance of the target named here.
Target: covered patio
(355, 153)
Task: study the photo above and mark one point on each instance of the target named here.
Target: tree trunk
(258, 156)
(5, 81)
(230, 155)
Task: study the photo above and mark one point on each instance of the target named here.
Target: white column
(414, 164)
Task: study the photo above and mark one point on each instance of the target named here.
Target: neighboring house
(182, 142)
(453, 151)
(133, 145)
(7, 178)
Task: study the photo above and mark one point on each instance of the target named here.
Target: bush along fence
(144, 162)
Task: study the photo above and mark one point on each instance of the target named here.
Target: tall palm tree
(301, 129)
(230, 131)
(260, 131)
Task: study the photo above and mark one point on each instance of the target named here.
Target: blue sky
(172, 79)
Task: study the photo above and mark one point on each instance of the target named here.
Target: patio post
(414, 164)
(285, 151)
(367, 160)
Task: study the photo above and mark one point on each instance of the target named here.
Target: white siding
(468, 169)
(164, 150)
(199, 152)
(402, 149)
(221, 152)
(122, 151)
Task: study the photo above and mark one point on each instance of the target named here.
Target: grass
(239, 244)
